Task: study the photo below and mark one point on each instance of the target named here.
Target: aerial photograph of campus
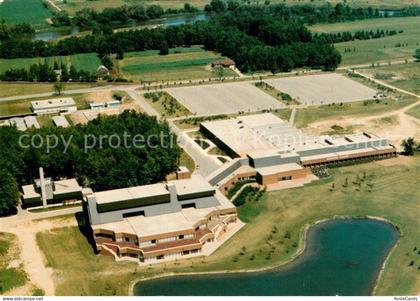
(209, 148)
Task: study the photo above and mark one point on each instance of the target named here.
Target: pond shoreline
(299, 251)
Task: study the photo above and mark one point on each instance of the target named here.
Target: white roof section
(61, 121)
(31, 121)
(19, 123)
(29, 192)
(194, 184)
(123, 194)
(64, 186)
(274, 169)
(53, 103)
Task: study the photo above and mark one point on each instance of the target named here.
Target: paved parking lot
(323, 88)
(224, 98)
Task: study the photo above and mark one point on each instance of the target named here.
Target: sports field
(179, 64)
(224, 98)
(374, 50)
(86, 61)
(322, 88)
(25, 11)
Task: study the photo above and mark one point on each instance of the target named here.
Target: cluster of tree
(103, 166)
(87, 17)
(417, 54)
(43, 72)
(358, 35)
(255, 40)
(411, 146)
(23, 30)
(311, 13)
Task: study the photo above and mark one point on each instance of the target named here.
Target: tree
(409, 145)
(163, 48)
(107, 61)
(219, 72)
(9, 193)
(417, 54)
(59, 87)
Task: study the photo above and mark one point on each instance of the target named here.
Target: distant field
(25, 11)
(74, 5)
(383, 49)
(86, 61)
(404, 76)
(181, 63)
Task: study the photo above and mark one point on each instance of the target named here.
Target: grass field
(9, 277)
(394, 196)
(86, 61)
(25, 11)
(305, 116)
(414, 112)
(181, 63)
(16, 89)
(370, 51)
(404, 76)
(168, 106)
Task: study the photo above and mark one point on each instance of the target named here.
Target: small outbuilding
(102, 71)
(224, 63)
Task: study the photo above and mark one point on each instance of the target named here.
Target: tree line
(43, 72)
(102, 167)
(358, 35)
(88, 18)
(256, 39)
(17, 31)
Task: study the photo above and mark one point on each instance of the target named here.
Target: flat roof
(192, 185)
(186, 219)
(29, 191)
(31, 121)
(53, 103)
(61, 121)
(124, 194)
(270, 170)
(69, 185)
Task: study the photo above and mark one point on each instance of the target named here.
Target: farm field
(12, 89)
(394, 181)
(73, 6)
(226, 98)
(375, 50)
(86, 61)
(25, 11)
(179, 64)
(322, 89)
(404, 76)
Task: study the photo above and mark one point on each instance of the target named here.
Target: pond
(168, 21)
(342, 257)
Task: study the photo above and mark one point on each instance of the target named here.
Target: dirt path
(398, 126)
(31, 255)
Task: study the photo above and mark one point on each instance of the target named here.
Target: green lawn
(305, 116)
(25, 11)
(370, 51)
(394, 196)
(414, 111)
(9, 277)
(86, 61)
(181, 63)
(404, 76)
(167, 105)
